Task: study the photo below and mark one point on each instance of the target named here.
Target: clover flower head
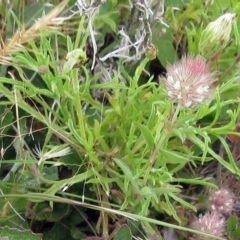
(189, 81)
(221, 201)
(211, 223)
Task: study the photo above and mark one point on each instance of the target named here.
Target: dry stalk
(21, 37)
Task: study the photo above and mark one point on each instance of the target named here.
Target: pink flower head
(189, 81)
(222, 201)
(211, 223)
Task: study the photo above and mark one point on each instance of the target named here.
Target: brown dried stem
(49, 22)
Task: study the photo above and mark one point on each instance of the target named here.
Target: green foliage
(233, 228)
(123, 233)
(14, 234)
(78, 149)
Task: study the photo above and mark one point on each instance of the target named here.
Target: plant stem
(79, 33)
(79, 110)
(161, 141)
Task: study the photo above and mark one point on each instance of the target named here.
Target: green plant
(81, 137)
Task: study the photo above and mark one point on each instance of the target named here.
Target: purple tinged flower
(222, 201)
(189, 81)
(211, 223)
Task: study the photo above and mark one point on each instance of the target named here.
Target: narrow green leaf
(147, 135)
(182, 202)
(174, 157)
(127, 172)
(139, 71)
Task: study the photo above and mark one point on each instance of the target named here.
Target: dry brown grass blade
(49, 22)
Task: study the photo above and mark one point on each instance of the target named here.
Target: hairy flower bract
(189, 81)
(216, 35)
(211, 223)
(222, 201)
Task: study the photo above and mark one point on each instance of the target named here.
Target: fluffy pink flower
(221, 201)
(189, 81)
(211, 223)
